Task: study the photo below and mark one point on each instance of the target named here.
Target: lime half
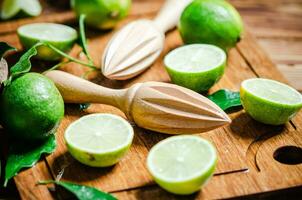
(269, 101)
(12, 8)
(182, 164)
(61, 36)
(197, 66)
(99, 140)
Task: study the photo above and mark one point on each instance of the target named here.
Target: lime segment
(273, 91)
(61, 36)
(197, 67)
(182, 164)
(269, 101)
(11, 8)
(99, 140)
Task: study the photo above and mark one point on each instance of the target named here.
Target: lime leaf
(226, 99)
(23, 65)
(4, 47)
(23, 155)
(82, 192)
(84, 106)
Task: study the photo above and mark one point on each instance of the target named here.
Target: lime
(12, 8)
(212, 22)
(61, 36)
(102, 14)
(196, 66)
(269, 101)
(31, 107)
(99, 140)
(182, 164)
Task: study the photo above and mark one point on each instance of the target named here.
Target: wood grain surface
(246, 165)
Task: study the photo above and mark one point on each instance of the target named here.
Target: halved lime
(61, 36)
(197, 66)
(182, 164)
(12, 8)
(99, 140)
(269, 101)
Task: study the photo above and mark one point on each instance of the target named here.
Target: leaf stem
(83, 38)
(70, 58)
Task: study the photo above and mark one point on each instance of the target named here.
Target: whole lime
(102, 14)
(31, 107)
(211, 22)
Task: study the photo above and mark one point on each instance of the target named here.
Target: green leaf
(83, 39)
(226, 99)
(23, 65)
(84, 106)
(82, 192)
(22, 155)
(4, 47)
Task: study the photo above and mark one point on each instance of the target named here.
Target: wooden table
(277, 26)
(246, 148)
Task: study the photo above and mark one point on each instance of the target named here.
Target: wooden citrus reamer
(156, 106)
(137, 45)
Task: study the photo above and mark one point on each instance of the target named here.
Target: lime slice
(182, 164)
(61, 36)
(12, 8)
(269, 101)
(99, 140)
(197, 66)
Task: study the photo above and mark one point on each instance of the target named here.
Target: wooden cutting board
(246, 148)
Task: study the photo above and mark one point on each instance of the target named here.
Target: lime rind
(99, 159)
(189, 182)
(12, 8)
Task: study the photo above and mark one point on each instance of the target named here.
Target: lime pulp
(61, 36)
